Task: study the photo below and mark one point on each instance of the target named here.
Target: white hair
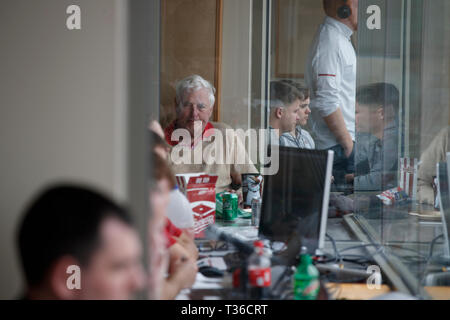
(193, 83)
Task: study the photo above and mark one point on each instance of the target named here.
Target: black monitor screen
(292, 198)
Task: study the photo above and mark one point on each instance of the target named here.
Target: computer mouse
(211, 272)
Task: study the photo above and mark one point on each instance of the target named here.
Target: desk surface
(354, 291)
(344, 239)
(351, 291)
(438, 293)
(406, 242)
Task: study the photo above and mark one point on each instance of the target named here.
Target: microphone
(214, 233)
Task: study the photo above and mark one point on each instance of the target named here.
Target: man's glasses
(200, 107)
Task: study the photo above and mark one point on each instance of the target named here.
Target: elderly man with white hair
(194, 107)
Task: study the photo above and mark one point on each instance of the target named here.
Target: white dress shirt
(331, 77)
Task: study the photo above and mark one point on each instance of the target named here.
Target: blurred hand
(348, 149)
(186, 240)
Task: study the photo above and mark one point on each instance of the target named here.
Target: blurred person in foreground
(68, 226)
(173, 253)
(179, 209)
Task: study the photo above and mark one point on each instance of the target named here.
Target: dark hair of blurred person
(75, 226)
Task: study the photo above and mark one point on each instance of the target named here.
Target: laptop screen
(293, 198)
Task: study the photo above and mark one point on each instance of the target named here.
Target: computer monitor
(295, 200)
(444, 196)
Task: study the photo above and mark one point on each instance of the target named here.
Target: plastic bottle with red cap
(259, 272)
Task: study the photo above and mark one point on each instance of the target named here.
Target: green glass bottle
(306, 278)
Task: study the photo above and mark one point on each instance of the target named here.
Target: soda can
(230, 206)
(256, 211)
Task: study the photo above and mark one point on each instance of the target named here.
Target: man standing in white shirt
(331, 77)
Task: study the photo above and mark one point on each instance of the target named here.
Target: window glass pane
(402, 143)
(368, 81)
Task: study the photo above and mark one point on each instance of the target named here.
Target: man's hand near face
(185, 273)
(182, 272)
(186, 240)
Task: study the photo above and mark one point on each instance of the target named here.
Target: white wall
(236, 63)
(62, 110)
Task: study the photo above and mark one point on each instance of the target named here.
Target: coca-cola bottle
(259, 272)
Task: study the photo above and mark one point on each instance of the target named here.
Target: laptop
(295, 201)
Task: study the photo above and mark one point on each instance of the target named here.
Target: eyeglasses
(200, 107)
